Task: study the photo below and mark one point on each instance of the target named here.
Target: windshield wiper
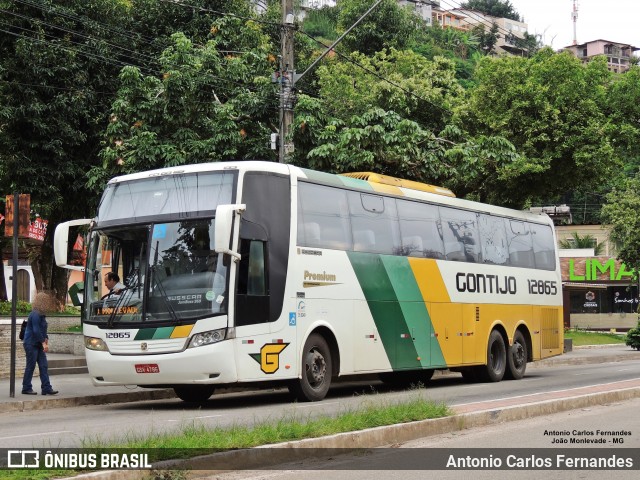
(158, 283)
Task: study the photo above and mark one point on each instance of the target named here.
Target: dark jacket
(36, 331)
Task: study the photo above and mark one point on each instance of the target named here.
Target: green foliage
(206, 107)
(633, 337)
(495, 8)
(22, 308)
(322, 23)
(550, 108)
(621, 212)
(583, 241)
(387, 26)
(486, 39)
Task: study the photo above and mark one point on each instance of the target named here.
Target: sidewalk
(77, 389)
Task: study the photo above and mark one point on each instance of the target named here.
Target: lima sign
(594, 270)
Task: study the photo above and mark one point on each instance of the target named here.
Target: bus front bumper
(206, 365)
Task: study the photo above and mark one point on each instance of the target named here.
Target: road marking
(38, 434)
(206, 416)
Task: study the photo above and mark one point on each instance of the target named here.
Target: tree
(549, 108)
(494, 8)
(58, 61)
(206, 107)
(486, 39)
(621, 212)
(387, 26)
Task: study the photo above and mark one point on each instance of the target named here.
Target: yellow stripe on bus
(429, 280)
(182, 331)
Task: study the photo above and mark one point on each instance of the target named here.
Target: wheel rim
(518, 355)
(316, 368)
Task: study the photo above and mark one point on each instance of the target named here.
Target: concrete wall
(604, 321)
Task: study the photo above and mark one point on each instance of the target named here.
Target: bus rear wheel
(517, 358)
(496, 365)
(194, 393)
(316, 371)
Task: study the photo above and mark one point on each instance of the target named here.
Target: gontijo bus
(258, 272)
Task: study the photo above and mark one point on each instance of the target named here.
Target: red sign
(38, 229)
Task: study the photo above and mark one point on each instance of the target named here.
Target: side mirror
(225, 215)
(61, 243)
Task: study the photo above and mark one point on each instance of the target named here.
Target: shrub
(633, 337)
(22, 308)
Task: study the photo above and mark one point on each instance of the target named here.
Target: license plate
(147, 368)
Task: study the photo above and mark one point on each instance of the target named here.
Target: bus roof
(366, 181)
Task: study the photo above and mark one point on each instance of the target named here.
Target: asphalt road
(82, 426)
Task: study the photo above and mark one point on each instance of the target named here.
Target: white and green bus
(242, 273)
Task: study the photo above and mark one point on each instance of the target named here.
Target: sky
(613, 20)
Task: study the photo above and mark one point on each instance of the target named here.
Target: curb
(371, 438)
(105, 398)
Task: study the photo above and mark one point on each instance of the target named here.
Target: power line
(219, 13)
(479, 18)
(83, 20)
(376, 74)
(81, 35)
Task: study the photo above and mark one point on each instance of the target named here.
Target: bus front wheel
(517, 358)
(194, 393)
(316, 371)
(496, 365)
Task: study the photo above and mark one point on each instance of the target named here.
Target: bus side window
(252, 277)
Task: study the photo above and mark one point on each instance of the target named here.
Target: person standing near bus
(36, 346)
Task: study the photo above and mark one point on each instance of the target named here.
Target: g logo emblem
(143, 346)
(269, 356)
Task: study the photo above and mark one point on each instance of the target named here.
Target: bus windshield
(169, 273)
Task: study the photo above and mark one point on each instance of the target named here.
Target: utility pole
(287, 81)
(288, 76)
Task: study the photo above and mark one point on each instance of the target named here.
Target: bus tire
(496, 365)
(517, 358)
(194, 393)
(316, 371)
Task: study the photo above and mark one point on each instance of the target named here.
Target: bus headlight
(93, 343)
(207, 338)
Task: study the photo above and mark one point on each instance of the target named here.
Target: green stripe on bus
(322, 177)
(356, 183)
(385, 309)
(416, 315)
(337, 180)
(145, 334)
(163, 333)
(398, 310)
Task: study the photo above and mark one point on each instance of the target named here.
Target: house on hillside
(619, 55)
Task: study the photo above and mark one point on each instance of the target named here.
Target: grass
(197, 439)
(581, 337)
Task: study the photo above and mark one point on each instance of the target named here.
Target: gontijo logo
(269, 356)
